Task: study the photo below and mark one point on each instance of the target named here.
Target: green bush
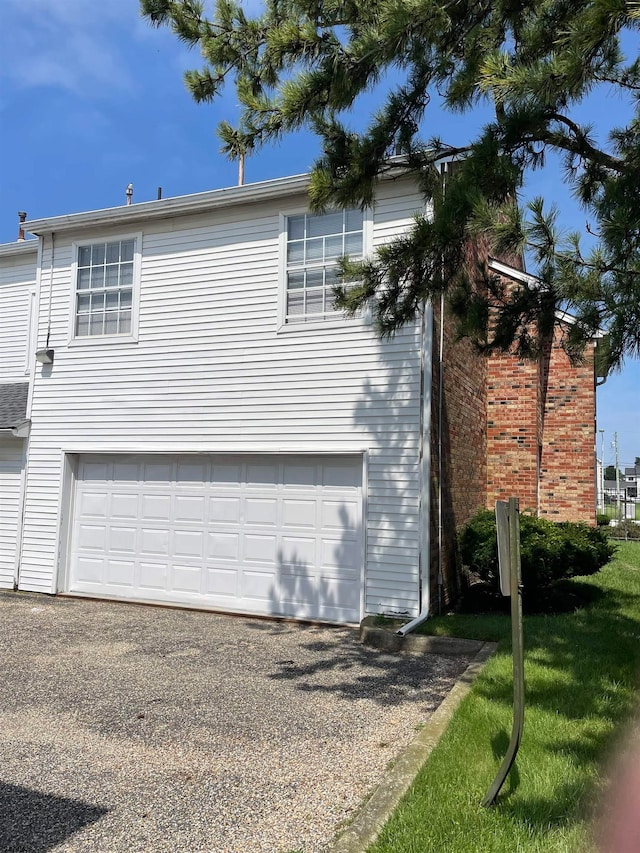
(549, 551)
(602, 519)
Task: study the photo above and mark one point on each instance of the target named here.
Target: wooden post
(508, 531)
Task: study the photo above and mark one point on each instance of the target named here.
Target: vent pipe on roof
(129, 193)
(22, 215)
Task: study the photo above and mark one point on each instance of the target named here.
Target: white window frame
(97, 340)
(337, 320)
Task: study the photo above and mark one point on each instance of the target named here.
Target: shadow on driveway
(31, 822)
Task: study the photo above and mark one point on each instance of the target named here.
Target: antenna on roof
(22, 215)
(129, 193)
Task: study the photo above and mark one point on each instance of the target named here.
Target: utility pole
(615, 447)
(601, 484)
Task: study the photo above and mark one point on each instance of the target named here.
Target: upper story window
(104, 288)
(313, 245)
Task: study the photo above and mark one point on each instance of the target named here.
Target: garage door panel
(298, 551)
(90, 571)
(223, 582)
(187, 579)
(190, 508)
(152, 576)
(94, 504)
(340, 553)
(154, 541)
(261, 511)
(120, 573)
(192, 473)
(97, 472)
(126, 472)
(259, 549)
(262, 475)
(223, 546)
(158, 472)
(340, 476)
(340, 515)
(156, 508)
(224, 510)
(188, 543)
(123, 539)
(297, 513)
(93, 537)
(124, 505)
(279, 534)
(300, 475)
(258, 585)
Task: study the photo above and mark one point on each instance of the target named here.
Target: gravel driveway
(127, 728)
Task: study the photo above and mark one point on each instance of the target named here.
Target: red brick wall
(568, 475)
(513, 430)
(464, 470)
(510, 427)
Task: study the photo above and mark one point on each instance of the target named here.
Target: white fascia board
(19, 247)
(126, 215)
(512, 272)
(532, 281)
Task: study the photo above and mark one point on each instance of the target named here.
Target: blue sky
(92, 99)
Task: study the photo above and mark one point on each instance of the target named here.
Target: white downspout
(425, 470)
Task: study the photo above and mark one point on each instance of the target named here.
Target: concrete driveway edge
(388, 640)
(372, 817)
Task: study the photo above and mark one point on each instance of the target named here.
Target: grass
(581, 681)
(612, 511)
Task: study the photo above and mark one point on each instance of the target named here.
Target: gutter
(425, 472)
(20, 430)
(166, 208)
(124, 215)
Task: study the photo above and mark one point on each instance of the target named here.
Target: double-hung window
(313, 245)
(104, 288)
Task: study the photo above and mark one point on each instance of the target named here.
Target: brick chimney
(22, 215)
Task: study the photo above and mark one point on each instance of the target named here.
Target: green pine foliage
(301, 63)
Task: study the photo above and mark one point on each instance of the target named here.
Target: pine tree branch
(580, 144)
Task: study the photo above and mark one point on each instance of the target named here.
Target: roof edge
(174, 206)
(18, 247)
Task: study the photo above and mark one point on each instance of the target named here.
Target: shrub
(602, 519)
(626, 529)
(549, 551)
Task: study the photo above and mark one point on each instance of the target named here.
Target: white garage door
(11, 463)
(257, 534)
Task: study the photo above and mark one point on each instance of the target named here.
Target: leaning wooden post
(508, 532)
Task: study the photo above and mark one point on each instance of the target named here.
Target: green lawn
(612, 511)
(582, 673)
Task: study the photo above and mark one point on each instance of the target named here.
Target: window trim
(95, 340)
(338, 320)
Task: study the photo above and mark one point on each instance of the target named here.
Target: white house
(207, 430)
(18, 262)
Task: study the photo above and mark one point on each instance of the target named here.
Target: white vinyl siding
(210, 374)
(17, 307)
(11, 464)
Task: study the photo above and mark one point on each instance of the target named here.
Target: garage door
(11, 462)
(257, 534)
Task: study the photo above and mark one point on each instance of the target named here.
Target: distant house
(632, 478)
(201, 427)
